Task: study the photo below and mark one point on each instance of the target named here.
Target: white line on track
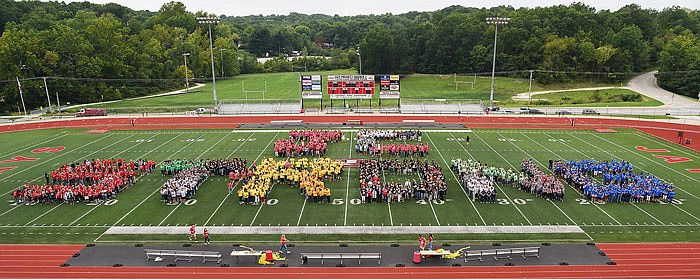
(456, 179)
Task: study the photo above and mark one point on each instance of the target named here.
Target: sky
(355, 7)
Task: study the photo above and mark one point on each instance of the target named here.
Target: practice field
(138, 214)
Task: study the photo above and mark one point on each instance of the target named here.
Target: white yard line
(391, 218)
(667, 144)
(347, 187)
(647, 213)
(301, 212)
(8, 211)
(234, 187)
(507, 162)
(157, 188)
(131, 147)
(572, 188)
(622, 148)
(42, 215)
(456, 179)
(32, 145)
(52, 159)
(199, 156)
(171, 213)
(273, 185)
(85, 214)
(650, 160)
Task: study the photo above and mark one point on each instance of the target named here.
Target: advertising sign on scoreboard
(350, 87)
(311, 87)
(389, 87)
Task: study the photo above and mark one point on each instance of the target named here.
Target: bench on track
(183, 255)
(504, 253)
(341, 256)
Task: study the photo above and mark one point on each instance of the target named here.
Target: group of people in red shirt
(306, 143)
(89, 181)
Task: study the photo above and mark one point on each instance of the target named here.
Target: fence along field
(213, 207)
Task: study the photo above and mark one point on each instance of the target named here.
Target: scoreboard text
(358, 86)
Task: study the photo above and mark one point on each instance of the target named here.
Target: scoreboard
(351, 87)
(311, 87)
(389, 86)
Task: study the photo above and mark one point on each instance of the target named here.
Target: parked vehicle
(535, 111)
(562, 112)
(589, 111)
(91, 112)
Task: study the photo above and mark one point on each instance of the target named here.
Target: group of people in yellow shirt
(309, 175)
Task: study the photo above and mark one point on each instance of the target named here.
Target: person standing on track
(193, 233)
(205, 234)
(430, 242)
(421, 242)
(283, 245)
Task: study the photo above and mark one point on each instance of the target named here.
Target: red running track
(648, 260)
(664, 130)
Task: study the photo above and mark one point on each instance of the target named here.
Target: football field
(138, 215)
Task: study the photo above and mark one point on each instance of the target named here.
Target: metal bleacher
(228, 107)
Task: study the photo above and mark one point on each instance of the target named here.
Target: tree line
(95, 52)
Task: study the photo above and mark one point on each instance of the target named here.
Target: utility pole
(187, 81)
(529, 92)
(47, 94)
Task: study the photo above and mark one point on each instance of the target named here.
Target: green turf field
(141, 206)
(416, 86)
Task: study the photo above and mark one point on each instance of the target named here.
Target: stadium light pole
(209, 21)
(221, 61)
(187, 80)
(496, 21)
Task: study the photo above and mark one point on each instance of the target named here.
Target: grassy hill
(416, 86)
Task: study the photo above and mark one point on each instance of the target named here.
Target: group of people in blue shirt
(613, 181)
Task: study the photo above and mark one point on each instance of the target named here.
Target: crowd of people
(309, 175)
(479, 179)
(188, 175)
(88, 181)
(392, 135)
(306, 143)
(538, 183)
(369, 142)
(619, 182)
(430, 186)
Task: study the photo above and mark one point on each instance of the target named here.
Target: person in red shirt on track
(283, 245)
(193, 233)
(205, 234)
(421, 242)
